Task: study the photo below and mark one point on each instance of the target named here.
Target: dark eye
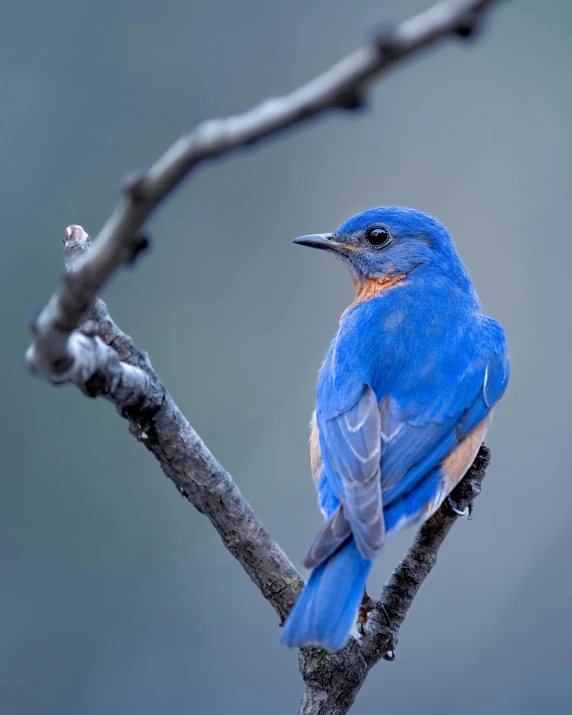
(377, 236)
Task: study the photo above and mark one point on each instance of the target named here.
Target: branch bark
(107, 363)
(76, 341)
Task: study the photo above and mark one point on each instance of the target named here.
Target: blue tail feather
(327, 608)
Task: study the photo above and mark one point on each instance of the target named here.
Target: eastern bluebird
(404, 400)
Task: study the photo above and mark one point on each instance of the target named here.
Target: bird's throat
(367, 287)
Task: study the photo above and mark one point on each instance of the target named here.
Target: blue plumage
(327, 607)
(403, 402)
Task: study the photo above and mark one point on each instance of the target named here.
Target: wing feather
(351, 449)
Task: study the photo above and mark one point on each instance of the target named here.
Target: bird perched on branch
(404, 400)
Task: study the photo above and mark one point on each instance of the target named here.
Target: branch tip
(75, 234)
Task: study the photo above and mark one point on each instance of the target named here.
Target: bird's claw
(468, 511)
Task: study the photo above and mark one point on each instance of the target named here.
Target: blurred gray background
(116, 595)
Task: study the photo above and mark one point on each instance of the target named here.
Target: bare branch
(155, 420)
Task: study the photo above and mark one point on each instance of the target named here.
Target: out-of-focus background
(116, 595)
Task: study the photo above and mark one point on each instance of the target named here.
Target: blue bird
(404, 400)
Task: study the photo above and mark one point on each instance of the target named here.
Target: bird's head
(388, 242)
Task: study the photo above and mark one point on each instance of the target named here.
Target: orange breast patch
(367, 287)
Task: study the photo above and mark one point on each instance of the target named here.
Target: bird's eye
(377, 236)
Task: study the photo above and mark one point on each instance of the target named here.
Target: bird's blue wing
(418, 443)
(352, 468)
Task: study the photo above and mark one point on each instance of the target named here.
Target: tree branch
(155, 420)
(76, 341)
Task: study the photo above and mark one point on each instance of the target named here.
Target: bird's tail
(327, 608)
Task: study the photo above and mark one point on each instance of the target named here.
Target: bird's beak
(317, 240)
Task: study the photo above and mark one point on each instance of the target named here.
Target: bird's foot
(367, 606)
(468, 512)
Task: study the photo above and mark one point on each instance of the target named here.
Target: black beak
(317, 240)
